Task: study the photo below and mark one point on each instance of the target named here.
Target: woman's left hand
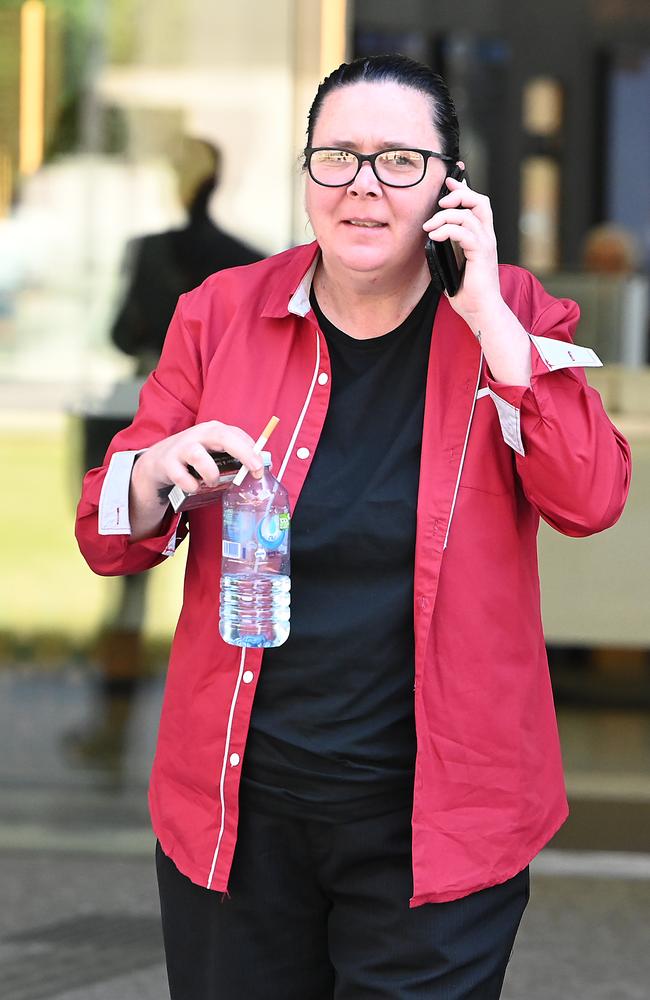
(465, 216)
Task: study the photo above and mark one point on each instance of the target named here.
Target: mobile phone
(446, 260)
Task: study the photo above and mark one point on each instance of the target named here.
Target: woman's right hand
(165, 464)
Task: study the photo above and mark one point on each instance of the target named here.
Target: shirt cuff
(113, 513)
(548, 355)
(555, 354)
(510, 420)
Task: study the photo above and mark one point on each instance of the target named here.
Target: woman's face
(368, 227)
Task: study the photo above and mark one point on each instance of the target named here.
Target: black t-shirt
(332, 730)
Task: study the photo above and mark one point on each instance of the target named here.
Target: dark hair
(400, 69)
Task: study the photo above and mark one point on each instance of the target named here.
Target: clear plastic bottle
(255, 581)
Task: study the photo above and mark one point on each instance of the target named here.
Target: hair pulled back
(394, 68)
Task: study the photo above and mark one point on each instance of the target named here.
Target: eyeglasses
(394, 167)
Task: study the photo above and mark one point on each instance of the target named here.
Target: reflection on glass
(539, 215)
(6, 182)
(32, 85)
(542, 108)
(333, 35)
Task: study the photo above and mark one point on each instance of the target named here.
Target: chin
(364, 259)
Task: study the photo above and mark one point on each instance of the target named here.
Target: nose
(365, 183)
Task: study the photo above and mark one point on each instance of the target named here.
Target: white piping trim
(243, 653)
(296, 431)
(223, 766)
(462, 457)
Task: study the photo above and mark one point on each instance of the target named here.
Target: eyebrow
(388, 144)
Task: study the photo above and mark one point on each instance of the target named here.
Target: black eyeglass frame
(371, 158)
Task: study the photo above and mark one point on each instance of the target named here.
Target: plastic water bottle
(255, 581)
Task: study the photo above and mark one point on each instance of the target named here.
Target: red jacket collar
(290, 282)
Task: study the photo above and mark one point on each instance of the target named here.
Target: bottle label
(239, 525)
(246, 537)
(270, 531)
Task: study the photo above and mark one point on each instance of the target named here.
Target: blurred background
(144, 145)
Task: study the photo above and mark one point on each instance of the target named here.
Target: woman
(421, 437)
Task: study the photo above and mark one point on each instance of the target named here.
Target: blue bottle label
(272, 530)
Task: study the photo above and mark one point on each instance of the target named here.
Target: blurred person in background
(352, 814)
(162, 266)
(157, 268)
(610, 249)
(613, 251)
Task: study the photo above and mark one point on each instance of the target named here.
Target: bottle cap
(266, 459)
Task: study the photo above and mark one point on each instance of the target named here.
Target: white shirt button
(247, 676)
(234, 759)
(303, 453)
(323, 378)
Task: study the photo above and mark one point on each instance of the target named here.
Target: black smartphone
(446, 260)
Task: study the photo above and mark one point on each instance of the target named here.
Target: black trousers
(317, 911)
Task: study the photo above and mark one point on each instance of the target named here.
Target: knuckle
(196, 451)
(212, 428)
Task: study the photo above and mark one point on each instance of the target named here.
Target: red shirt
(489, 790)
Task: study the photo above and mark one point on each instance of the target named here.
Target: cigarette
(257, 447)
